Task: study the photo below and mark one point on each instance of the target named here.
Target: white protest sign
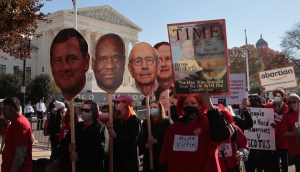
(261, 135)
(185, 143)
(237, 93)
(278, 78)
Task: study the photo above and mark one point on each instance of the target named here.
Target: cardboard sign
(261, 135)
(237, 91)
(200, 57)
(185, 143)
(278, 78)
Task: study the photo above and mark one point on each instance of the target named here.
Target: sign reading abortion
(261, 135)
(278, 78)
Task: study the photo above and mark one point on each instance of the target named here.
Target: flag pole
(75, 13)
(247, 62)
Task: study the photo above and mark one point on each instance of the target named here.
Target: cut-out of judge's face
(144, 66)
(109, 62)
(69, 61)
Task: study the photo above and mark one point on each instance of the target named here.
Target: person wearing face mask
(126, 131)
(159, 125)
(90, 139)
(104, 114)
(291, 128)
(280, 110)
(191, 144)
(260, 159)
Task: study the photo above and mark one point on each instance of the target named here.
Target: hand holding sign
(69, 61)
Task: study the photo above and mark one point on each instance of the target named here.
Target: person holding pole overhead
(144, 66)
(108, 66)
(69, 61)
(191, 144)
(125, 130)
(159, 125)
(89, 149)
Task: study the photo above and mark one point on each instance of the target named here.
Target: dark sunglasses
(85, 110)
(292, 102)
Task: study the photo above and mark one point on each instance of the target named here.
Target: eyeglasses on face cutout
(138, 61)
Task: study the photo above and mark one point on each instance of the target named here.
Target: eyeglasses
(292, 102)
(104, 60)
(138, 61)
(85, 110)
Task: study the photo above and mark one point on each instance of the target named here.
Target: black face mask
(191, 112)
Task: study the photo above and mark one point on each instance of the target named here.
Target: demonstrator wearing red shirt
(17, 153)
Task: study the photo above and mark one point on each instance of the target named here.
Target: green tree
(260, 59)
(41, 86)
(237, 62)
(10, 85)
(18, 19)
(290, 45)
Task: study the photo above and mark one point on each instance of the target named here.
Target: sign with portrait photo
(199, 56)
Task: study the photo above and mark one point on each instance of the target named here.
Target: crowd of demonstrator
(198, 136)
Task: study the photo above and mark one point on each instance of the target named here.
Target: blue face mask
(277, 99)
(154, 112)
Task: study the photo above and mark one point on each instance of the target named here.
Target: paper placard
(261, 135)
(185, 143)
(278, 78)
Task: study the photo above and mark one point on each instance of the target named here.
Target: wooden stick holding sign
(108, 66)
(70, 80)
(149, 131)
(111, 140)
(143, 54)
(72, 121)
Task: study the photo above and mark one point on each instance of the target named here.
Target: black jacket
(158, 132)
(125, 144)
(244, 121)
(90, 145)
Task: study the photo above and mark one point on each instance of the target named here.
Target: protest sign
(237, 90)
(261, 135)
(278, 78)
(207, 66)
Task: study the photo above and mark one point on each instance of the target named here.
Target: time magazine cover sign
(278, 78)
(199, 56)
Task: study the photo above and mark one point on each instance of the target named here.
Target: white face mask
(85, 116)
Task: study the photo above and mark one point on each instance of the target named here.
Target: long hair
(293, 97)
(162, 114)
(128, 111)
(181, 99)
